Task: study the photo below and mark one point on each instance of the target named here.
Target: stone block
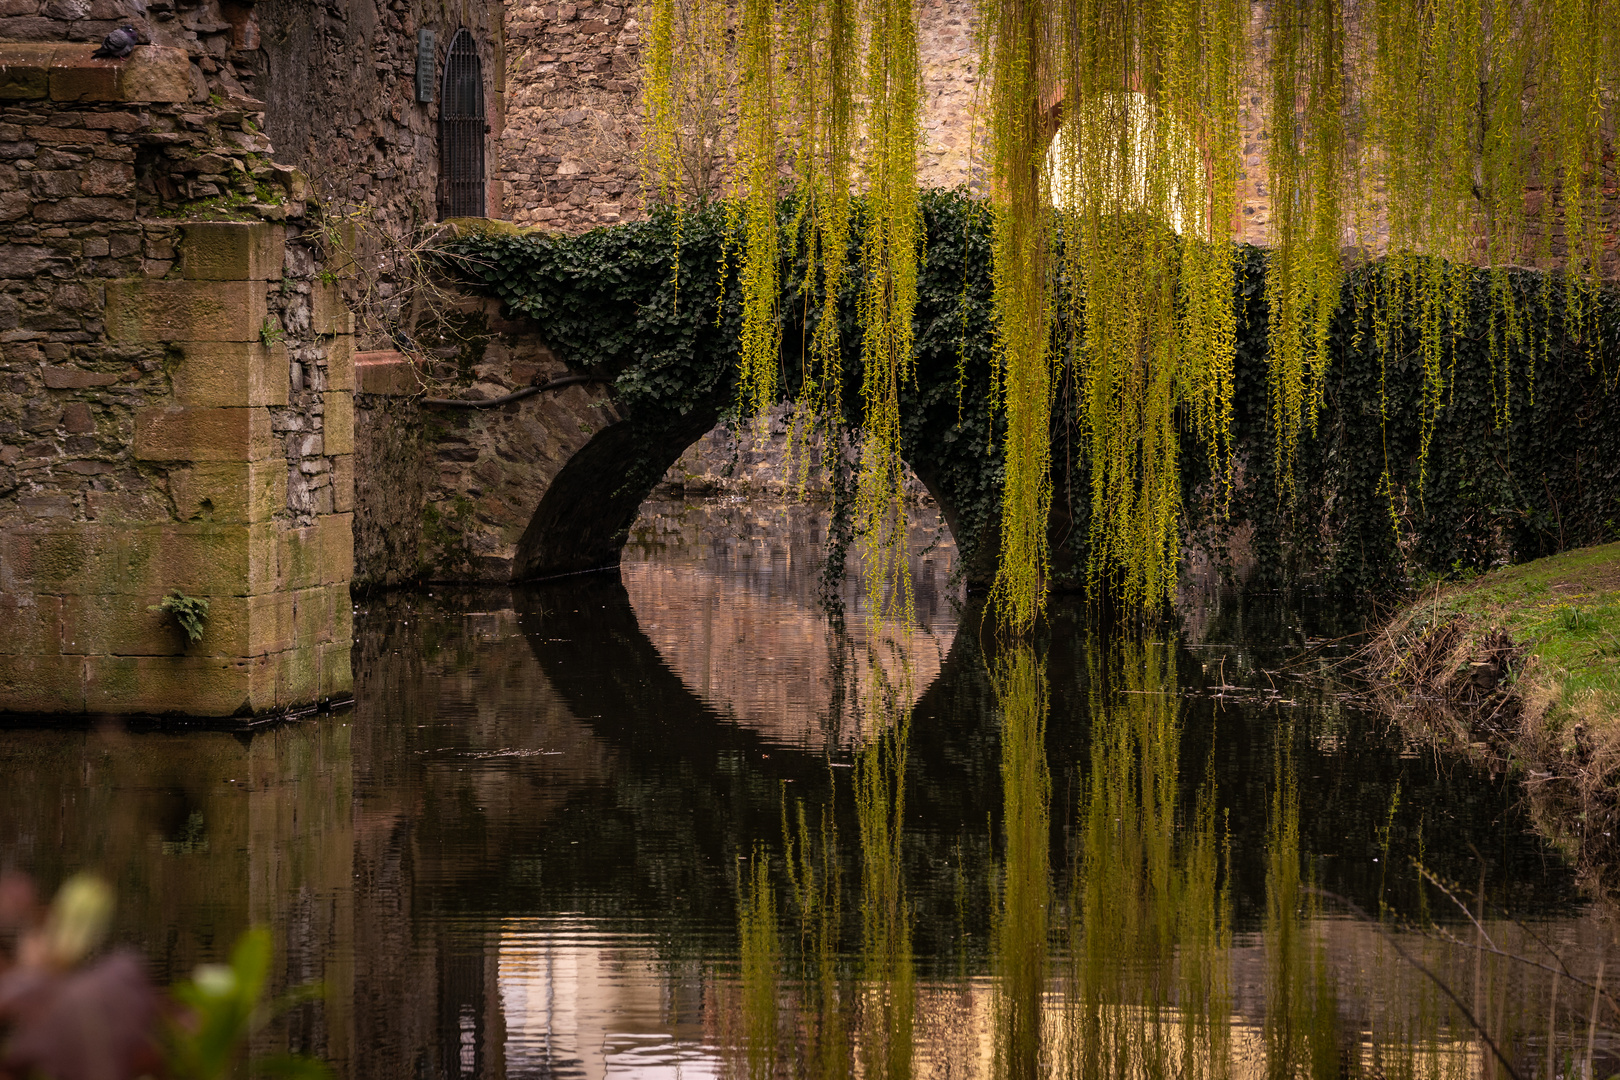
(78, 76)
(150, 73)
(342, 613)
(336, 673)
(72, 378)
(298, 677)
(127, 625)
(272, 622)
(42, 684)
(131, 506)
(312, 617)
(337, 548)
(232, 251)
(229, 491)
(340, 356)
(55, 560)
(298, 558)
(338, 423)
(203, 434)
(148, 311)
(156, 73)
(204, 686)
(233, 373)
(385, 372)
(30, 624)
(343, 483)
(25, 70)
(327, 313)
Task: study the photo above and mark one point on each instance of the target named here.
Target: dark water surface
(670, 822)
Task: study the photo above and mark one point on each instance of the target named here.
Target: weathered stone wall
(390, 469)
(569, 150)
(175, 412)
(490, 467)
(338, 79)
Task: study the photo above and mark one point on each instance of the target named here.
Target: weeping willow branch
(1438, 136)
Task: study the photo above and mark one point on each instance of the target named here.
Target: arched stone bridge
(549, 481)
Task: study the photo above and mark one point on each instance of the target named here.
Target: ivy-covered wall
(612, 304)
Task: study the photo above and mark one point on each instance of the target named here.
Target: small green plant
(271, 332)
(1574, 620)
(190, 613)
(223, 1007)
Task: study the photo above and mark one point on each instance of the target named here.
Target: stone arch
(583, 518)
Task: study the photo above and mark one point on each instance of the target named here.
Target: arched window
(461, 131)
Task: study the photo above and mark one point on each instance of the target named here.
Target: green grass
(1565, 612)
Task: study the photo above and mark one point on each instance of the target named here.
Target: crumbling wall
(175, 405)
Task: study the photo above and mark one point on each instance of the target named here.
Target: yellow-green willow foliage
(1301, 1028)
(825, 34)
(760, 270)
(811, 857)
(1437, 134)
(1305, 157)
(1144, 171)
(1021, 124)
(1020, 925)
(890, 248)
(1149, 988)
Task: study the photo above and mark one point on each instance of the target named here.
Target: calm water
(673, 823)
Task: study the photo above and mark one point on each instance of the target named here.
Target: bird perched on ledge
(118, 44)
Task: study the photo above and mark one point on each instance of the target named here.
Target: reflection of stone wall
(201, 835)
(728, 594)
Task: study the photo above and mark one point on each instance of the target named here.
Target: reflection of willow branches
(813, 875)
(1020, 938)
(761, 952)
(1301, 1030)
(889, 990)
(1149, 987)
(842, 673)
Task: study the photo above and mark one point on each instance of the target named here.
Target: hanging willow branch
(1441, 135)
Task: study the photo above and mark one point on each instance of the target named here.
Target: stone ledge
(384, 372)
(65, 71)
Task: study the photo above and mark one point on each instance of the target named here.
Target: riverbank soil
(1522, 666)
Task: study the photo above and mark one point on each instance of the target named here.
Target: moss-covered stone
(148, 311)
(232, 251)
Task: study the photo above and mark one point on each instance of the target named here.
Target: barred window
(461, 131)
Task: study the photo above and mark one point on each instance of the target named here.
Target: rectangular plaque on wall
(424, 66)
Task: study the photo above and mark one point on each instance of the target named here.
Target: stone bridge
(586, 394)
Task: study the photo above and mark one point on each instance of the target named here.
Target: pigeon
(118, 44)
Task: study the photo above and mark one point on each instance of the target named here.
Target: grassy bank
(1522, 665)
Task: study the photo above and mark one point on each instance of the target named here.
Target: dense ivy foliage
(606, 304)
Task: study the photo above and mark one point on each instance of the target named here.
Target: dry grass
(1522, 667)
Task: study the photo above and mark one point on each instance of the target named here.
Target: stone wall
(569, 150)
(338, 80)
(175, 407)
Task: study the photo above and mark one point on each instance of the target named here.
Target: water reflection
(730, 596)
(538, 847)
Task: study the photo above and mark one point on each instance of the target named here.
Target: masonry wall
(175, 401)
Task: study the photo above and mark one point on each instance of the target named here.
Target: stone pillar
(84, 634)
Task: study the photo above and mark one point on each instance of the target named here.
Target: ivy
(1365, 511)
